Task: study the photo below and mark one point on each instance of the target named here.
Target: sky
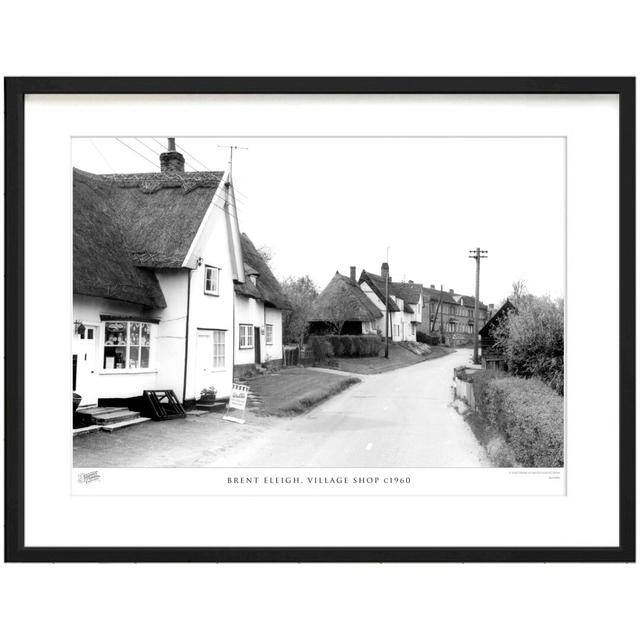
(324, 204)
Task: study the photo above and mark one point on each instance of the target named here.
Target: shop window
(127, 345)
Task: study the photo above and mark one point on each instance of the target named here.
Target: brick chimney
(451, 291)
(384, 270)
(431, 286)
(171, 161)
(353, 273)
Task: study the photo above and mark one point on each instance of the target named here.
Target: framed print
(320, 319)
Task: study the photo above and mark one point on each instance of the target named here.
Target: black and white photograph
(318, 302)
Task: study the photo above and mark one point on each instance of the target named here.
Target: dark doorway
(256, 344)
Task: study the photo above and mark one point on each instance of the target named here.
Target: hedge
(334, 346)
(527, 413)
(432, 340)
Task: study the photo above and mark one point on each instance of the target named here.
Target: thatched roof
(267, 289)
(344, 295)
(162, 212)
(102, 264)
(378, 286)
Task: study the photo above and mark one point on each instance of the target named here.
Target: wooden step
(97, 411)
(115, 416)
(124, 423)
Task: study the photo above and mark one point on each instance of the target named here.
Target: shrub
(527, 413)
(331, 346)
(337, 345)
(432, 340)
(533, 340)
(321, 348)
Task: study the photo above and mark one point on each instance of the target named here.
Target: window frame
(242, 326)
(223, 334)
(127, 346)
(268, 340)
(216, 270)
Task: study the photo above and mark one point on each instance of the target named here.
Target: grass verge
(294, 391)
(398, 357)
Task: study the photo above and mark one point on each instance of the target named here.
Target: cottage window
(246, 336)
(211, 280)
(219, 349)
(127, 345)
(269, 334)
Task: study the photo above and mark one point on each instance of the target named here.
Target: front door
(256, 344)
(204, 360)
(84, 360)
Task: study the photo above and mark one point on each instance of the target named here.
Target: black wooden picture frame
(15, 91)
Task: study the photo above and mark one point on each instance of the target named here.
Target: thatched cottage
(343, 308)
(259, 304)
(161, 276)
(405, 303)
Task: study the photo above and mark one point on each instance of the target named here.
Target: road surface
(402, 418)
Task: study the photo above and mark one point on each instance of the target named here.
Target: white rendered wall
(249, 311)
(211, 311)
(273, 351)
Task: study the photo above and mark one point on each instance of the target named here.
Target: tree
(518, 292)
(266, 253)
(340, 309)
(301, 292)
(532, 340)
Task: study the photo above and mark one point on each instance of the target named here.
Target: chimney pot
(384, 269)
(171, 161)
(353, 273)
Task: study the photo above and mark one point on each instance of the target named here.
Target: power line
(140, 154)
(235, 190)
(95, 146)
(215, 205)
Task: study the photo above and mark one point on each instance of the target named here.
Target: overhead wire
(226, 211)
(242, 195)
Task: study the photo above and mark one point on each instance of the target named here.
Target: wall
(248, 311)
(207, 311)
(395, 317)
(171, 330)
(116, 383)
(274, 351)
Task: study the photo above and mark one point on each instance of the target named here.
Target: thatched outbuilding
(343, 307)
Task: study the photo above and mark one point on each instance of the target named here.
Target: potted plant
(208, 396)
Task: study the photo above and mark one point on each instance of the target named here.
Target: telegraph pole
(477, 255)
(386, 305)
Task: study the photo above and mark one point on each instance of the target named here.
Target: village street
(401, 418)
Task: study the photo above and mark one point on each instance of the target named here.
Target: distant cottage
(168, 294)
(343, 308)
